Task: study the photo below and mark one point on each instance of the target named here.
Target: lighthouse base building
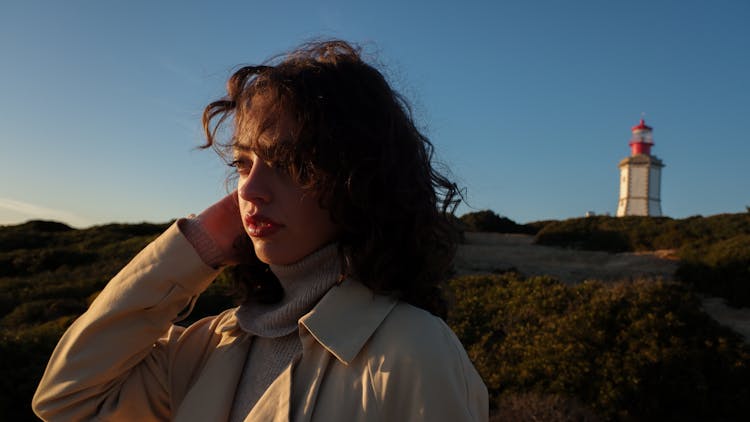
(640, 176)
(640, 182)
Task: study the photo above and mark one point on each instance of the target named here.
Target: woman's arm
(113, 360)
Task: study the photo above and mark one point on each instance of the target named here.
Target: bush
(547, 408)
(30, 261)
(32, 234)
(488, 221)
(40, 311)
(719, 269)
(643, 350)
(603, 233)
(536, 226)
(23, 357)
(642, 233)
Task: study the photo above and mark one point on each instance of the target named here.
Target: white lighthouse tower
(640, 176)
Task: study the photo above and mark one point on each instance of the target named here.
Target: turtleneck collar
(304, 283)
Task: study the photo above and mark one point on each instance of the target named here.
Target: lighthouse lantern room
(640, 176)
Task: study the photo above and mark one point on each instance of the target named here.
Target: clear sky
(529, 103)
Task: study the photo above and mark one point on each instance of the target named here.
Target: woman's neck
(304, 283)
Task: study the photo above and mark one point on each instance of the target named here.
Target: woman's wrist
(206, 247)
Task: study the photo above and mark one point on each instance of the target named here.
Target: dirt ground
(488, 252)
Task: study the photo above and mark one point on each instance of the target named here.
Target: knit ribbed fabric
(203, 243)
(275, 327)
(266, 360)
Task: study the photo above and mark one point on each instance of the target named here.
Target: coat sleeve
(113, 362)
(425, 373)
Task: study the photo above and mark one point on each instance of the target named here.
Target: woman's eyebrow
(236, 146)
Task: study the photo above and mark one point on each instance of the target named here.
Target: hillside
(483, 253)
(638, 349)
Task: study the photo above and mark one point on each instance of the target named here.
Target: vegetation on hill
(629, 351)
(625, 351)
(488, 221)
(714, 251)
(631, 234)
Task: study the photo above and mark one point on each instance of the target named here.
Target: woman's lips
(260, 226)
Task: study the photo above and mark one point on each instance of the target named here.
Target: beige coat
(365, 357)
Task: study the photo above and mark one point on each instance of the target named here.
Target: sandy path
(488, 252)
(485, 252)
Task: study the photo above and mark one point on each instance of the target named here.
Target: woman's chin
(272, 254)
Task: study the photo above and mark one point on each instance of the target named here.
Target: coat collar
(345, 318)
(341, 322)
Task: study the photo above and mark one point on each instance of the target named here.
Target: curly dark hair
(355, 146)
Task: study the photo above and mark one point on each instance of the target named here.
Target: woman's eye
(241, 165)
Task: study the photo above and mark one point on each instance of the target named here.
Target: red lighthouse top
(642, 140)
(642, 126)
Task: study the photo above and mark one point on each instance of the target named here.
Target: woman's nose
(255, 186)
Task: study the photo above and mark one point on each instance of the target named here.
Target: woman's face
(285, 222)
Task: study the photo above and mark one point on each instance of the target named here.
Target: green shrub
(605, 233)
(643, 349)
(30, 261)
(41, 311)
(32, 234)
(536, 226)
(537, 407)
(719, 269)
(642, 233)
(488, 221)
(23, 357)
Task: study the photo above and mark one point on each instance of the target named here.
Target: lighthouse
(640, 176)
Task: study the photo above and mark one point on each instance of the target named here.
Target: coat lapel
(211, 397)
(275, 403)
(309, 371)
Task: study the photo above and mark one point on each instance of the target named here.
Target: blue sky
(529, 103)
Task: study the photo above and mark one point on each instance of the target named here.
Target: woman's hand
(223, 223)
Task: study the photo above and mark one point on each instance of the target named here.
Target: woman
(346, 219)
